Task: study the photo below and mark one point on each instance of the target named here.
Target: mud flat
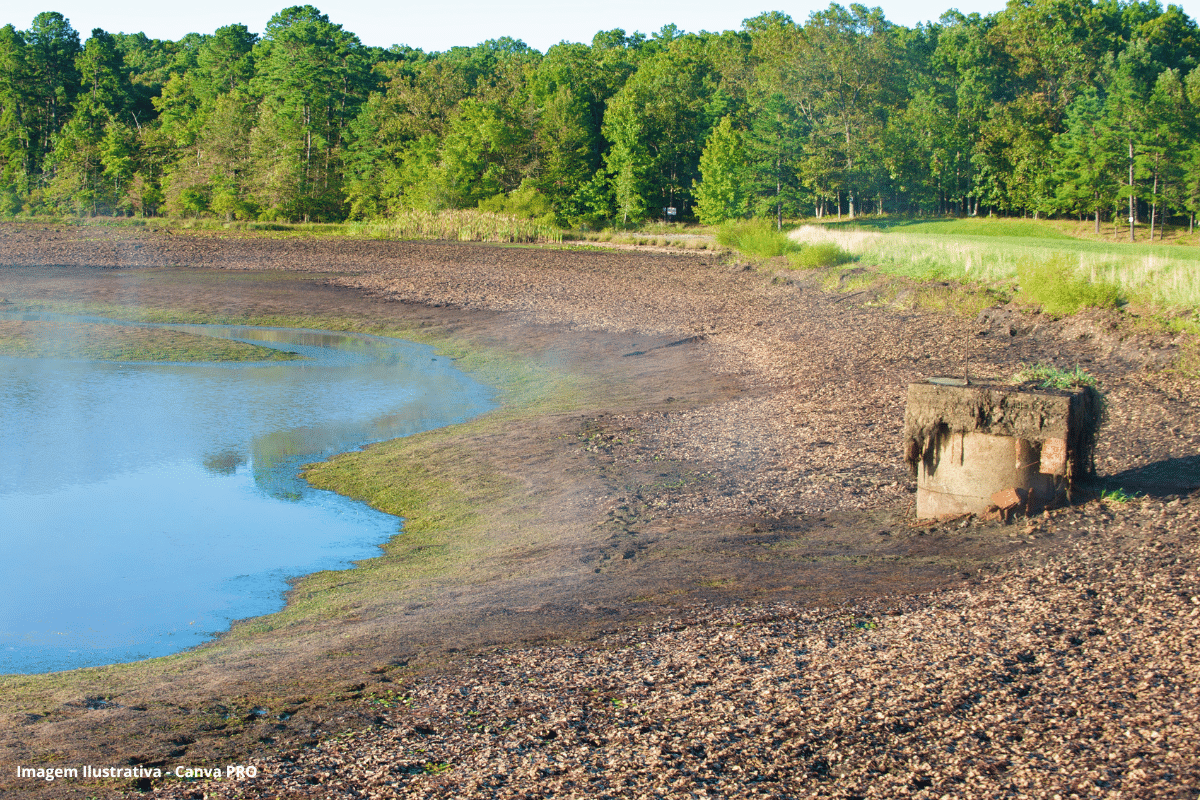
(681, 557)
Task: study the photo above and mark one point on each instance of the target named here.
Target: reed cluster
(460, 225)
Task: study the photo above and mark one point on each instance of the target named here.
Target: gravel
(1074, 677)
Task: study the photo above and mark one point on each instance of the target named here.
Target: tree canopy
(1049, 107)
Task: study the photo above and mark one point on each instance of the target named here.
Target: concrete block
(965, 444)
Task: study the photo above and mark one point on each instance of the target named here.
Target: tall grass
(465, 225)
(1054, 285)
(1158, 276)
(819, 255)
(755, 237)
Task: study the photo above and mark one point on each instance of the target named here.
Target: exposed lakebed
(145, 506)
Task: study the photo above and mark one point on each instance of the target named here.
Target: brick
(1054, 457)
(1008, 499)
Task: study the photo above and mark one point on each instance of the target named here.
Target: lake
(146, 506)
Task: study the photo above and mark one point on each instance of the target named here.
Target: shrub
(525, 202)
(1053, 285)
(755, 237)
(816, 256)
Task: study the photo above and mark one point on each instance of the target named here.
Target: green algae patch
(100, 341)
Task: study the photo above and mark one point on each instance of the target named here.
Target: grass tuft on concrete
(1046, 376)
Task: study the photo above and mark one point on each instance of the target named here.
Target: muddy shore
(698, 569)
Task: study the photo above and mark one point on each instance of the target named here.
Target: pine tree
(774, 145)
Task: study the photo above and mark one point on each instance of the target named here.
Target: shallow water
(144, 507)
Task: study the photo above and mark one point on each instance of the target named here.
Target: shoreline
(752, 464)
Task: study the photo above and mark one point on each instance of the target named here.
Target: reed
(459, 225)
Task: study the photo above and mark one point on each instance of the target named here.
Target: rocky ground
(1064, 665)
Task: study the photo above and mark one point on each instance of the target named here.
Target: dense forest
(1051, 107)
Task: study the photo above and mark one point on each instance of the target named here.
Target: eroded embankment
(691, 432)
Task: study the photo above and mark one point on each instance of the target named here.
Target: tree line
(1050, 107)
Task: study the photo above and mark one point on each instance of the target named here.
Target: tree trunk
(1132, 207)
(778, 205)
(1154, 200)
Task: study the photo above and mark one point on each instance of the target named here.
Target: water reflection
(145, 506)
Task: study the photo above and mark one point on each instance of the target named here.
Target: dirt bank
(727, 436)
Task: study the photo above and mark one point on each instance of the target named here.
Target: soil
(721, 536)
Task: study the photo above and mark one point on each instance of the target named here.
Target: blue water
(144, 507)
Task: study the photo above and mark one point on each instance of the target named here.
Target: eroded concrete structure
(982, 447)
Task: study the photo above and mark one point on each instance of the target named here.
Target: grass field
(1011, 255)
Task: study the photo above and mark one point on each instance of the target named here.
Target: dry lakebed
(680, 559)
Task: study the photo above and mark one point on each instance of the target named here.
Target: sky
(431, 25)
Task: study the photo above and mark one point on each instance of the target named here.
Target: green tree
(311, 78)
(656, 126)
(846, 81)
(1130, 81)
(52, 46)
(1169, 127)
(1086, 163)
(1190, 184)
(206, 114)
(17, 137)
(82, 178)
(774, 147)
(721, 192)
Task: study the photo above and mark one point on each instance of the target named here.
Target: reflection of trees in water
(275, 456)
(225, 462)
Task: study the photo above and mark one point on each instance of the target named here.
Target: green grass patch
(819, 256)
(956, 226)
(1054, 284)
(756, 238)
(1117, 495)
(114, 342)
(1045, 376)
(1161, 279)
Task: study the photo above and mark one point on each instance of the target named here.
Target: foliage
(818, 256)
(461, 226)
(1066, 108)
(756, 237)
(721, 193)
(1053, 284)
(1045, 376)
(525, 202)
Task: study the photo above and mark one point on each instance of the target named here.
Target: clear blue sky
(432, 25)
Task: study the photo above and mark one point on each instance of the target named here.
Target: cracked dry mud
(819, 644)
